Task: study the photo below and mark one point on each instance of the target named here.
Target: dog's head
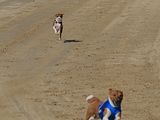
(59, 15)
(116, 96)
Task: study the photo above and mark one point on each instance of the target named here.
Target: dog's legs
(60, 33)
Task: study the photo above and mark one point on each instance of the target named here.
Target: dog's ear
(61, 14)
(56, 15)
(110, 90)
(121, 94)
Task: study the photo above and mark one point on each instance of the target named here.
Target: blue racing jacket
(114, 110)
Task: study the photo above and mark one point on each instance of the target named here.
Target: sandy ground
(108, 44)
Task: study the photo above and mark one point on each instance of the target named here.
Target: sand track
(44, 78)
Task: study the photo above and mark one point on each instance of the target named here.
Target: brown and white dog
(96, 105)
(58, 25)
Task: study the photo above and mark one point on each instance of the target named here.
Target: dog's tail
(90, 98)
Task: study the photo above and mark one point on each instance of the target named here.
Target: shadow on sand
(70, 41)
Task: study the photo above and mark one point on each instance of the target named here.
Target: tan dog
(108, 110)
(58, 25)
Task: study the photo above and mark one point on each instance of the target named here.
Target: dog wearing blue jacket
(107, 110)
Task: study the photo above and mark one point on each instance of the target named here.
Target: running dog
(58, 25)
(108, 110)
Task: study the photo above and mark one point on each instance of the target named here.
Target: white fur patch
(57, 28)
(89, 97)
